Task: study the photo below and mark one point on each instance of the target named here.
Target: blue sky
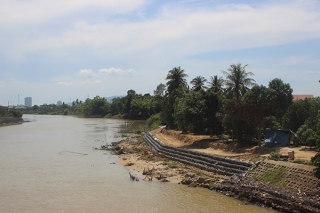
(60, 50)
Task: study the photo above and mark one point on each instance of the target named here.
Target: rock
(193, 184)
(208, 180)
(129, 164)
(164, 180)
(187, 181)
(124, 158)
(201, 180)
(206, 185)
(190, 174)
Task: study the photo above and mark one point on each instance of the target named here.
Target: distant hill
(109, 99)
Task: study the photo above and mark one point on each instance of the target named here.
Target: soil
(227, 148)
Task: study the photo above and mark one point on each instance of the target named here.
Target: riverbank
(8, 121)
(137, 156)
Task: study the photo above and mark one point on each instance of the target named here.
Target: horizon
(62, 50)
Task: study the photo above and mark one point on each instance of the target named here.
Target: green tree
(237, 80)
(301, 112)
(306, 135)
(176, 77)
(117, 106)
(284, 96)
(127, 100)
(316, 159)
(35, 108)
(259, 104)
(189, 112)
(198, 83)
(176, 88)
(97, 107)
(161, 88)
(212, 109)
(216, 84)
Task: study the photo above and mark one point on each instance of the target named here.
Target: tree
(316, 159)
(127, 100)
(284, 96)
(237, 81)
(198, 83)
(260, 103)
(216, 84)
(97, 107)
(189, 112)
(212, 107)
(176, 77)
(306, 135)
(35, 107)
(176, 88)
(301, 112)
(159, 90)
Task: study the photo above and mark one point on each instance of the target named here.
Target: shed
(277, 137)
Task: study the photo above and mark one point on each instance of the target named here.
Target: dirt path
(212, 145)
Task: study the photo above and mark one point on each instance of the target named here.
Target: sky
(69, 49)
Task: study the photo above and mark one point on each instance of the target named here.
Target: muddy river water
(50, 165)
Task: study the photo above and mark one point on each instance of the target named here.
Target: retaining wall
(212, 163)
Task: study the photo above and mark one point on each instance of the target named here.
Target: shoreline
(136, 156)
(9, 121)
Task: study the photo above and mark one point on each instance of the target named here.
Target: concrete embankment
(211, 163)
(296, 189)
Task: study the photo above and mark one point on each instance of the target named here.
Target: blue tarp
(276, 138)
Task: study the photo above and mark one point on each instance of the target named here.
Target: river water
(50, 165)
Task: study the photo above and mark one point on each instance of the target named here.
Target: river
(50, 165)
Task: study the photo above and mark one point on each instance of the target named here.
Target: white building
(28, 102)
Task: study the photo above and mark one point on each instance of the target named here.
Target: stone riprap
(211, 163)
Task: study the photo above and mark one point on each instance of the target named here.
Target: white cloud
(120, 72)
(65, 83)
(86, 73)
(92, 82)
(185, 31)
(30, 11)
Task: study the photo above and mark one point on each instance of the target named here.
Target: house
(302, 97)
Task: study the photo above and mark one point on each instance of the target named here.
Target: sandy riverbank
(135, 155)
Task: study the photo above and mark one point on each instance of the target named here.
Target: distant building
(28, 102)
(59, 103)
(302, 97)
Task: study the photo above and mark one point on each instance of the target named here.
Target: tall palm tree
(198, 83)
(237, 81)
(176, 77)
(216, 84)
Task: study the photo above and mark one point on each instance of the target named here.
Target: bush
(275, 155)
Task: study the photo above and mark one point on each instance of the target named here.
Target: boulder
(190, 175)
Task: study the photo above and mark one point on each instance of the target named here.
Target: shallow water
(50, 165)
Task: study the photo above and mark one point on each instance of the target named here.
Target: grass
(148, 157)
(300, 161)
(170, 164)
(274, 155)
(274, 177)
(199, 173)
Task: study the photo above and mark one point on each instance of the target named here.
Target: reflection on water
(50, 165)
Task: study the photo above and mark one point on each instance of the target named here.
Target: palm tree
(176, 77)
(237, 81)
(216, 84)
(198, 83)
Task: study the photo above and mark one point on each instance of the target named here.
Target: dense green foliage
(233, 107)
(5, 112)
